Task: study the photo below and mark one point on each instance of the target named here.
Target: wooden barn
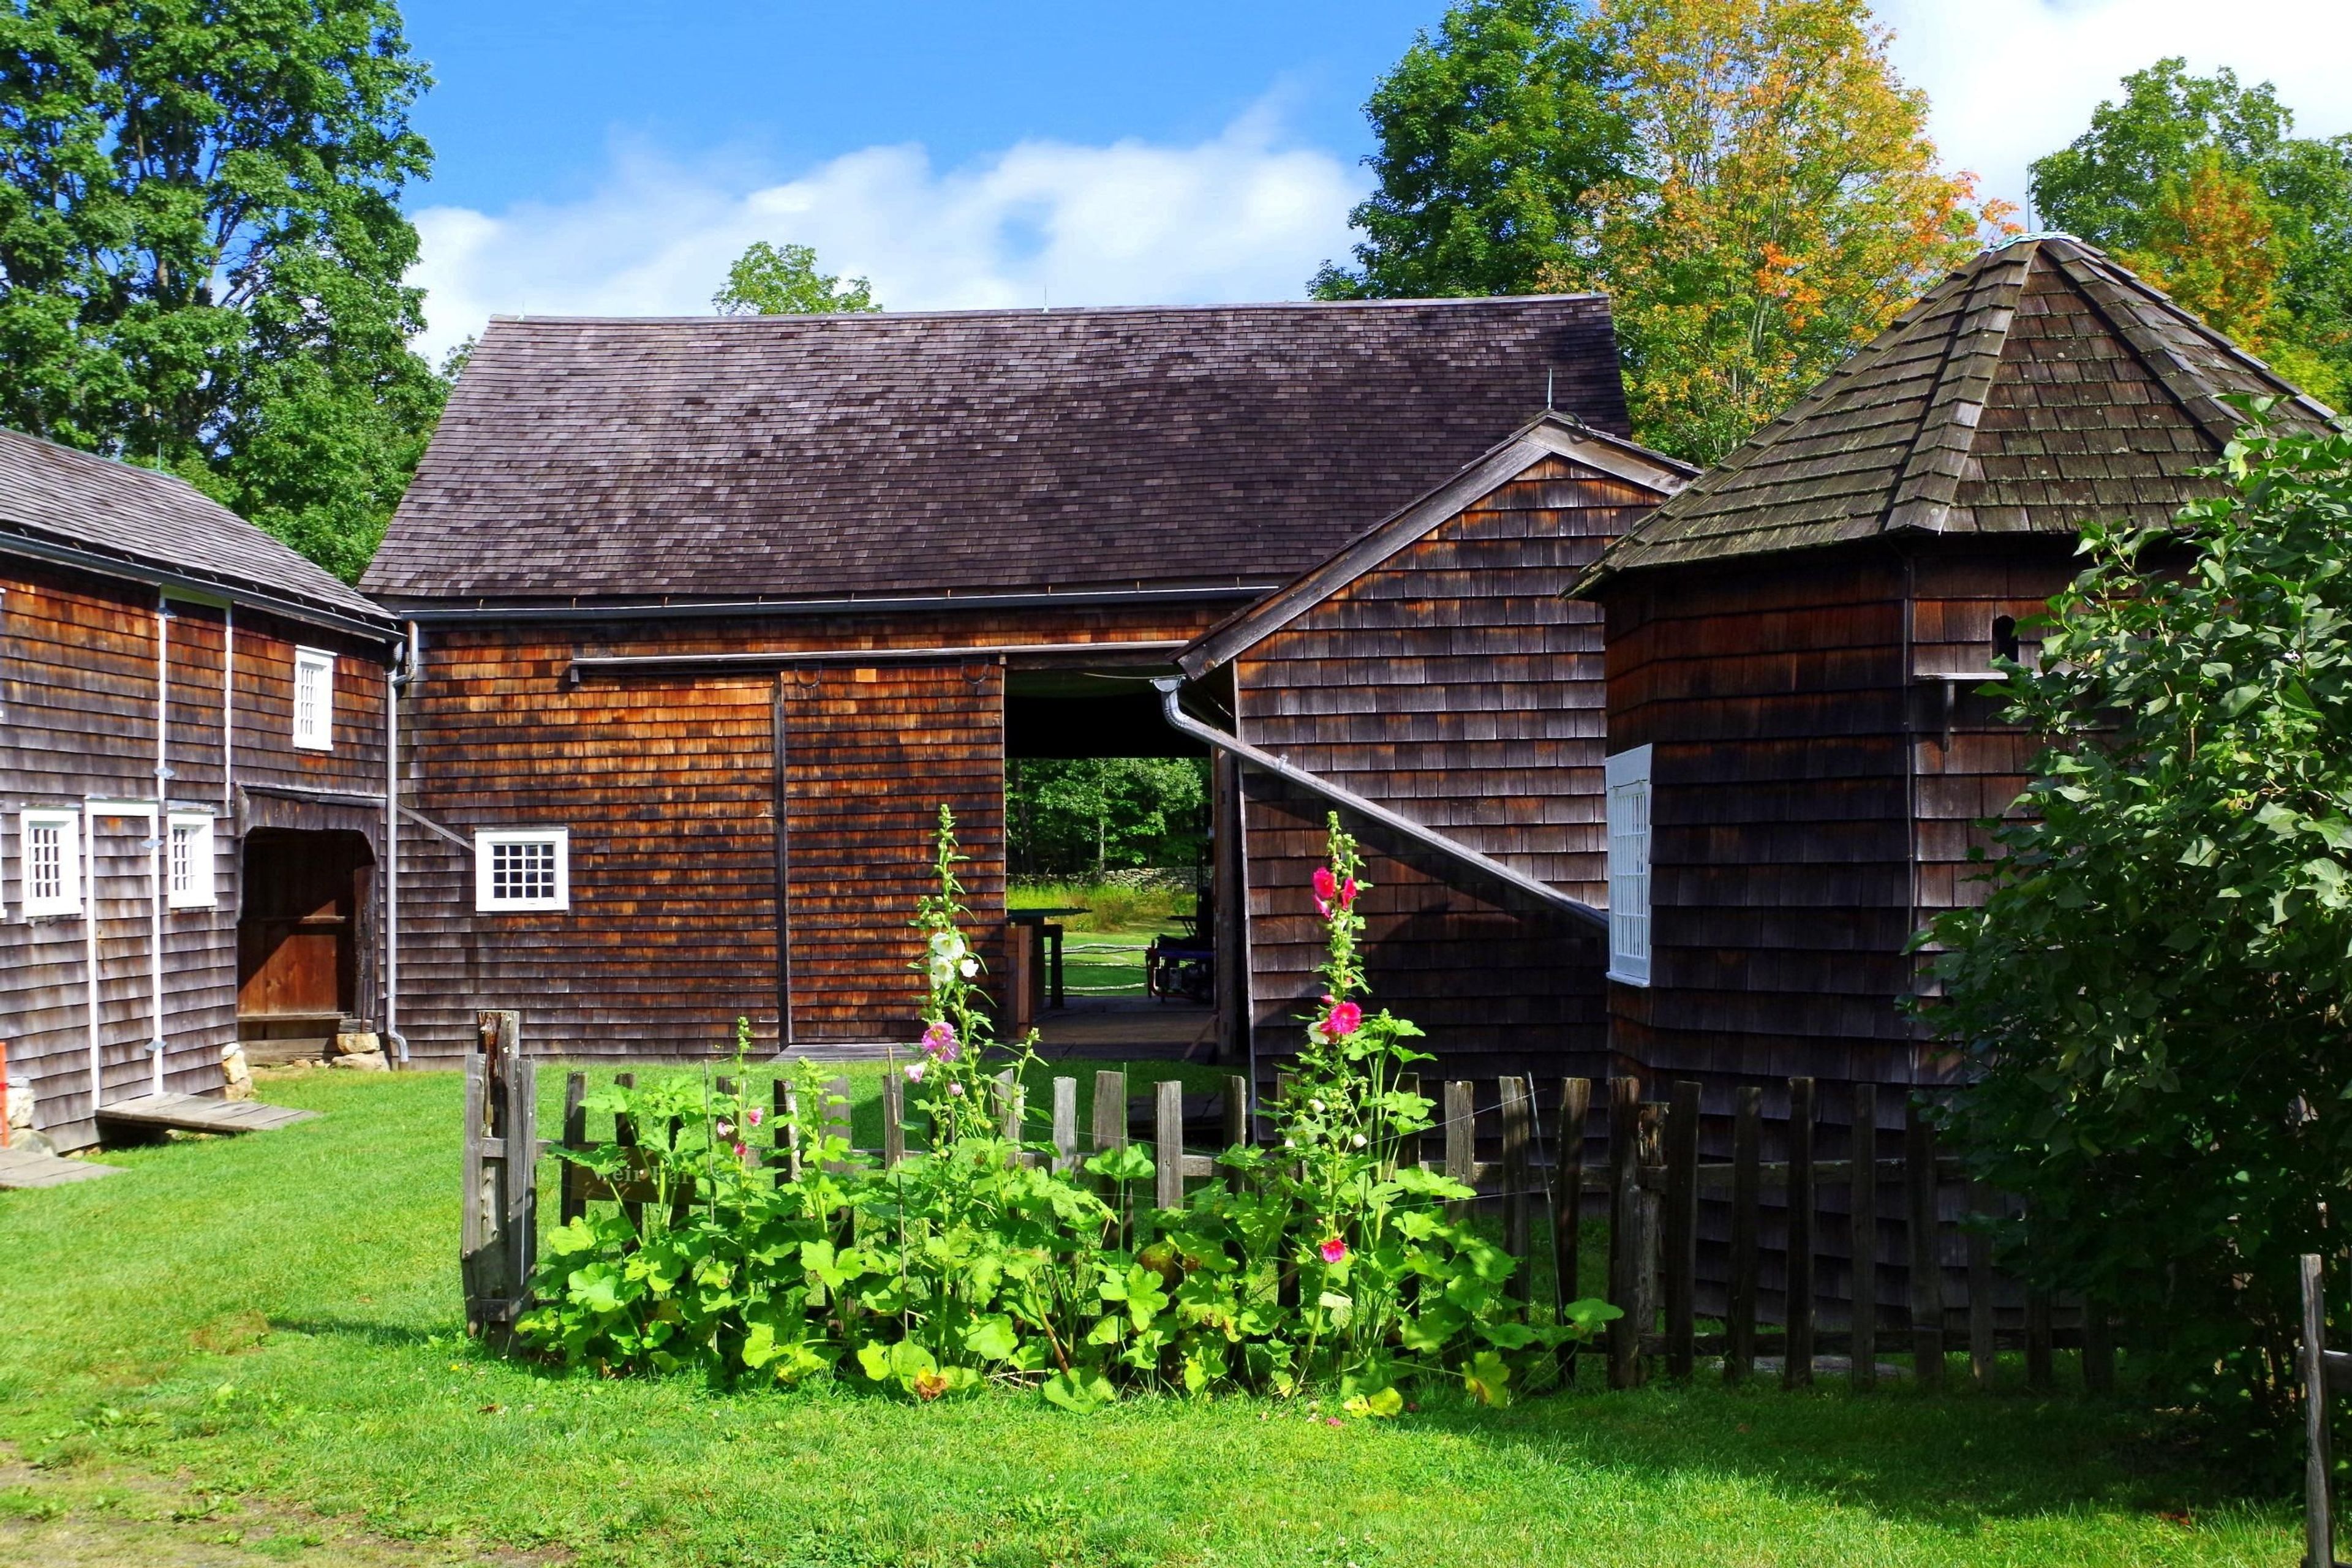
(192, 787)
(1798, 749)
(1429, 683)
(715, 613)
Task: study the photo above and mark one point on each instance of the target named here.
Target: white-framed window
(314, 700)
(518, 868)
(190, 867)
(1628, 782)
(48, 852)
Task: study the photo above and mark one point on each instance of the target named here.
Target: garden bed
(281, 1315)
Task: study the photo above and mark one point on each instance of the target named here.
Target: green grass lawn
(277, 1317)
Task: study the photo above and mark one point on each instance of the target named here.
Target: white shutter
(314, 700)
(1627, 780)
(48, 849)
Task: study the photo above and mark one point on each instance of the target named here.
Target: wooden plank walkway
(195, 1113)
(28, 1168)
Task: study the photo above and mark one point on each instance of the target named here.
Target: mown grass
(278, 1316)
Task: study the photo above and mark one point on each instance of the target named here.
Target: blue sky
(531, 92)
(608, 159)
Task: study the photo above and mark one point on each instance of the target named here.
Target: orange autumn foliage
(2214, 247)
(1789, 204)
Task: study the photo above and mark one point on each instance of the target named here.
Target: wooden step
(193, 1113)
(26, 1168)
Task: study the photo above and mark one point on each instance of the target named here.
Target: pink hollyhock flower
(1347, 892)
(1334, 1250)
(956, 1089)
(738, 1150)
(1327, 885)
(940, 1040)
(726, 1129)
(1345, 1019)
(752, 1116)
(915, 1072)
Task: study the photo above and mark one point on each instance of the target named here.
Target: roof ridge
(1017, 312)
(1929, 483)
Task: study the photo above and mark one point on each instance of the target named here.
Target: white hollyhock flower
(968, 968)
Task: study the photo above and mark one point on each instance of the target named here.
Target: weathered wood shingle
(789, 456)
(118, 510)
(2039, 387)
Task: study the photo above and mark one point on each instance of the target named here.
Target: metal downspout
(158, 837)
(1348, 800)
(398, 672)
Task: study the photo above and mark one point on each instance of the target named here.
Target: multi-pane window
(1628, 782)
(48, 847)
(522, 868)
(191, 869)
(314, 700)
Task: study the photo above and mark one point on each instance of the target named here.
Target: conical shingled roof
(2039, 387)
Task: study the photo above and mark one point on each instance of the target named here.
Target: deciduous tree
(783, 281)
(1785, 207)
(1493, 133)
(202, 249)
(2199, 183)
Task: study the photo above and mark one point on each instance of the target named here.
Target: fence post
(1624, 1226)
(1926, 1257)
(1746, 1198)
(2318, 1499)
(894, 1116)
(1568, 1210)
(2037, 1340)
(1519, 1132)
(1168, 1138)
(1983, 1351)
(625, 1133)
(1066, 1125)
(499, 1233)
(1797, 1369)
(1110, 1127)
(833, 1118)
(1238, 1119)
(1460, 1148)
(573, 1200)
(1408, 1146)
(2099, 1349)
(1862, 1199)
(1681, 1241)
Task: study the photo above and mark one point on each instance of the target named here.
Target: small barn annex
(192, 786)
(1798, 752)
(1429, 683)
(717, 611)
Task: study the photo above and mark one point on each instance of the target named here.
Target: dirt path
(92, 1517)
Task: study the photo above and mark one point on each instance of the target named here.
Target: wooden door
(295, 950)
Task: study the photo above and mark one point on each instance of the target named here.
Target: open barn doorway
(302, 901)
(1111, 854)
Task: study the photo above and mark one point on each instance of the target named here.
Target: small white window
(314, 700)
(191, 884)
(48, 846)
(1628, 782)
(522, 868)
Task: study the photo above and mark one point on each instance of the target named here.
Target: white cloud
(2011, 79)
(1238, 217)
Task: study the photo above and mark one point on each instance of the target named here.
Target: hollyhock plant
(1334, 1250)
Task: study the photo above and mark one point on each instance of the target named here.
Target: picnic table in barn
(1047, 920)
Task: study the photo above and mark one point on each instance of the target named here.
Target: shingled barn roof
(784, 456)
(108, 511)
(2039, 387)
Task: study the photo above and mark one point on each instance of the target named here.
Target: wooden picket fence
(1641, 1175)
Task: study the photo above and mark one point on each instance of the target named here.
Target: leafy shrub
(1323, 1262)
(2152, 999)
